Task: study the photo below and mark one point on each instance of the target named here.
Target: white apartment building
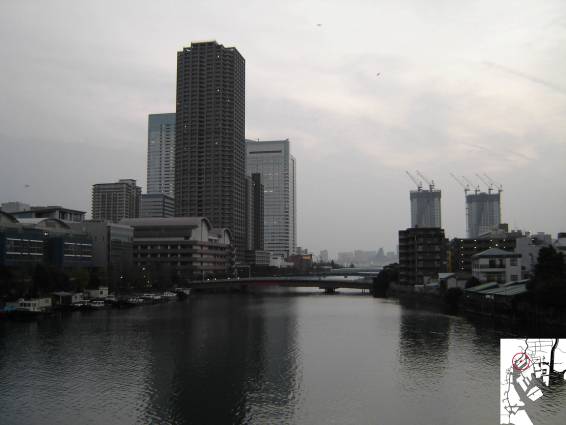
(496, 265)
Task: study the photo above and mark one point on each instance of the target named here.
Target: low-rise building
(30, 241)
(63, 298)
(181, 247)
(97, 293)
(112, 245)
(14, 206)
(54, 211)
(560, 243)
(462, 250)
(496, 265)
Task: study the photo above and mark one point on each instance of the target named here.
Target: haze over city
(364, 91)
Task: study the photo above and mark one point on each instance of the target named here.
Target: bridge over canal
(328, 283)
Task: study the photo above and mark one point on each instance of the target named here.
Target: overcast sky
(475, 86)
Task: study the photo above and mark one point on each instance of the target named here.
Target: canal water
(271, 358)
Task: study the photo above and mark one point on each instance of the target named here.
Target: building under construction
(483, 213)
(425, 204)
(483, 210)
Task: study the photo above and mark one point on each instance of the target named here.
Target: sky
(364, 90)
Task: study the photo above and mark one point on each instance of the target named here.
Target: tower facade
(210, 146)
(161, 154)
(274, 162)
(425, 208)
(115, 201)
(483, 213)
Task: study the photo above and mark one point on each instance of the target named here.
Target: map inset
(533, 381)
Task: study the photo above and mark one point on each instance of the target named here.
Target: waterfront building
(157, 205)
(15, 206)
(496, 265)
(210, 147)
(26, 242)
(274, 162)
(463, 249)
(161, 154)
(423, 253)
(115, 201)
(483, 213)
(112, 246)
(181, 248)
(54, 211)
(524, 243)
(323, 256)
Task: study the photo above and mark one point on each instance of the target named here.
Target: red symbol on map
(521, 361)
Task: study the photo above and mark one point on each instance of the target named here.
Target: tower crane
(499, 186)
(476, 187)
(429, 182)
(464, 186)
(415, 181)
(488, 184)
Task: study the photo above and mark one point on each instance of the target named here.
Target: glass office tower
(161, 154)
(274, 162)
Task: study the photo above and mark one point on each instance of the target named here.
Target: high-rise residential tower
(425, 208)
(483, 212)
(210, 147)
(274, 162)
(115, 201)
(161, 154)
(425, 204)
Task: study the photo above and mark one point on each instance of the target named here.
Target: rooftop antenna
(418, 183)
(429, 182)
(464, 186)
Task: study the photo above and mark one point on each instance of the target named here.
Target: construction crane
(464, 186)
(476, 187)
(499, 186)
(429, 182)
(488, 184)
(415, 181)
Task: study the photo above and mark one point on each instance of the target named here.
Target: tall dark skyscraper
(210, 149)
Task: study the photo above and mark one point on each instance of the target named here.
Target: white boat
(152, 297)
(135, 300)
(97, 304)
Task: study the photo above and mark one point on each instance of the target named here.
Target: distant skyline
(378, 88)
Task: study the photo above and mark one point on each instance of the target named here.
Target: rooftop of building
(496, 253)
(507, 289)
(166, 221)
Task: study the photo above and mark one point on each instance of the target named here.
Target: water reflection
(423, 348)
(259, 358)
(227, 361)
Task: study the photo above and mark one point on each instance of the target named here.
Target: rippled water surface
(285, 358)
